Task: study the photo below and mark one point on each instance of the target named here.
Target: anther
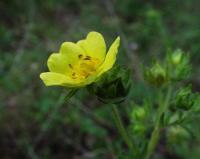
(70, 65)
(73, 74)
(87, 58)
(80, 56)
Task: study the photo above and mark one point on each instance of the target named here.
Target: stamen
(70, 65)
(80, 56)
(86, 76)
(74, 75)
(84, 68)
(87, 58)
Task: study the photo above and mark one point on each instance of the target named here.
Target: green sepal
(113, 86)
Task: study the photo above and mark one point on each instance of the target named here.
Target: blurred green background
(35, 122)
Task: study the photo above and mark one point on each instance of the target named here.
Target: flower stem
(122, 130)
(156, 132)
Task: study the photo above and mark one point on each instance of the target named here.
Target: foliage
(36, 122)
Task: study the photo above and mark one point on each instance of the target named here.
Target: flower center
(85, 67)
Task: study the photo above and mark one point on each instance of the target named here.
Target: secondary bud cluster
(175, 67)
(178, 65)
(139, 117)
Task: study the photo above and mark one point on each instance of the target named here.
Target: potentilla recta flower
(82, 63)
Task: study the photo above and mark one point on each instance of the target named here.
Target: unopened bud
(138, 113)
(113, 87)
(178, 65)
(177, 134)
(177, 57)
(185, 99)
(156, 75)
(139, 128)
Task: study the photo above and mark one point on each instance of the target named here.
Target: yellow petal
(94, 45)
(110, 57)
(72, 51)
(58, 62)
(53, 79)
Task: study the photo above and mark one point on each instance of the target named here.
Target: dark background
(35, 122)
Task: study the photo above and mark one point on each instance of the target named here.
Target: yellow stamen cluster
(85, 67)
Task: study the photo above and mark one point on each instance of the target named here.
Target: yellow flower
(79, 64)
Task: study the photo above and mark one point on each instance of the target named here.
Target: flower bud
(113, 87)
(138, 128)
(177, 57)
(185, 99)
(176, 134)
(196, 107)
(138, 113)
(156, 75)
(178, 65)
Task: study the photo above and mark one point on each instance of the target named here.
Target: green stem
(122, 130)
(156, 132)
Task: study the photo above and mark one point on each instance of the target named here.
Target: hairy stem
(156, 132)
(122, 130)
